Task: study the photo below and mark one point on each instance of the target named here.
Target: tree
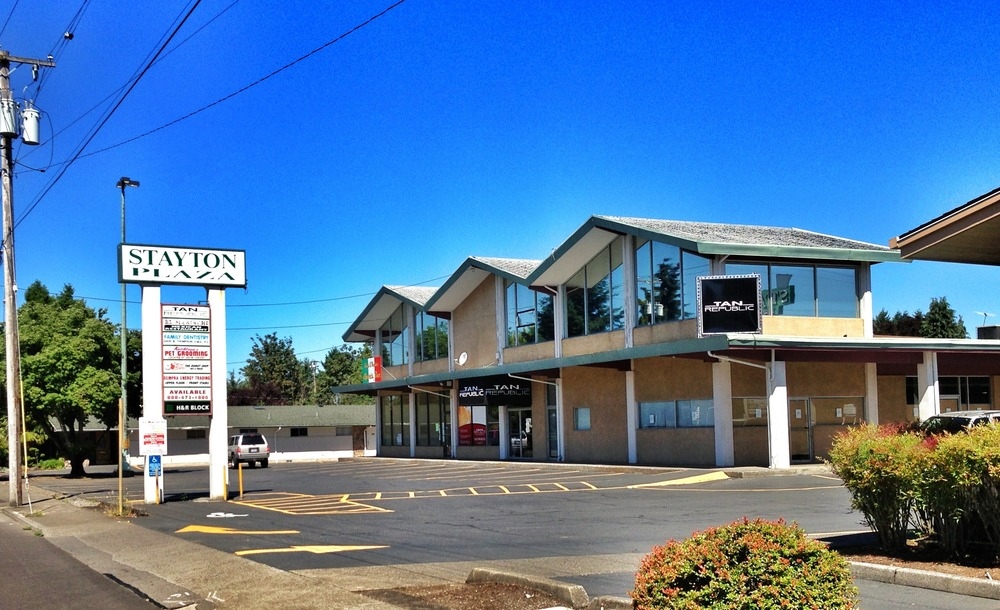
(342, 366)
(901, 324)
(273, 373)
(70, 367)
(941, 322)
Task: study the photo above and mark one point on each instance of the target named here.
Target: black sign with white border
(729, 304)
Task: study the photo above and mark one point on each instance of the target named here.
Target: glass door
(519, 428)
(800, 437)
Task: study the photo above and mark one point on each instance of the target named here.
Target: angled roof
(704, 238)
(382, 305)
(966, 234)
(471, 274)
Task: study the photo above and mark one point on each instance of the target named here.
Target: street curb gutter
(894, 575)
(573, 596)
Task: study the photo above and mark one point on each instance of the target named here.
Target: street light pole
(123, 401)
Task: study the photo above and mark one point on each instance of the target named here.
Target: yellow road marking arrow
(701, 478)
(319, 550)
(209, 529)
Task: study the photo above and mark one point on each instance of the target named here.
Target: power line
(105, 119)
(251, 85)
(9, 15)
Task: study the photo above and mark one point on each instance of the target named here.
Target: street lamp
(123, 401)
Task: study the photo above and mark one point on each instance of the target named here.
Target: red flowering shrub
(746, 564)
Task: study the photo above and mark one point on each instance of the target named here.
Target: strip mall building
(598, 354)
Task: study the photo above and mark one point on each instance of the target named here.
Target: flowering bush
(746, 564)
(880, 466)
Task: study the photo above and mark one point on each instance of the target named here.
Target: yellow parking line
(701, 478)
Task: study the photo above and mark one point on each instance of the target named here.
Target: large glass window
(432, 337)
(677, 414)
(478, 425)
(433, 420)
(594, 295)
(395, 421)
(529, 315)
(394, 344)
(804, 290)
(666, 282)
(973, 392)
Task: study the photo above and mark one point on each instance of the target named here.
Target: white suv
(250, 448)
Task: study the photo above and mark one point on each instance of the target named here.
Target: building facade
(600, 354)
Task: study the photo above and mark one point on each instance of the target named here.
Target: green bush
(52, 464)
(746, 565)
(881, 466)
(960, 490)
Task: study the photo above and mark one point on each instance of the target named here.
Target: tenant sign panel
(187, 359)
(729, 304)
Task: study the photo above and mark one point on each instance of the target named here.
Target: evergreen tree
(941, 322)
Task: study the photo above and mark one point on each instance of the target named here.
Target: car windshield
(937, 425)
(253, 439)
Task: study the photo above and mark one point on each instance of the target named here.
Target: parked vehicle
(958, 421)
(249, 449)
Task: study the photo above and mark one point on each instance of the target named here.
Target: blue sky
(442, 130)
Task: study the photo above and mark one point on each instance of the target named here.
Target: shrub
(960, 488)
(52, 464)
(881, 468)
(746, 564)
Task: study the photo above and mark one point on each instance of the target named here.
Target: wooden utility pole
(15, 410)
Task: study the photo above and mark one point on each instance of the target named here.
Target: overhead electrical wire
(64, 38)
(251, 85)
(79, 154)
(107, 116)
(7, 20)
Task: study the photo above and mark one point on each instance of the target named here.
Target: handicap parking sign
(153, 461)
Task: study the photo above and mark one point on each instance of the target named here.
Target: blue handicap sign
(153, 461)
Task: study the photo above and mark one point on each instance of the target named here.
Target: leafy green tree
(70, 367)
(272, 374)
(901, 324)
(342, 366)
(941, 322)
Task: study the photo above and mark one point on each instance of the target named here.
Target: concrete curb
(894, 575)
(574, 596)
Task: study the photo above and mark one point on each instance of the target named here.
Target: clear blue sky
(443, 130)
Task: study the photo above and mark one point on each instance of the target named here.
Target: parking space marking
(305, 504)
(701, 478)
(208, 529)
(314, 549)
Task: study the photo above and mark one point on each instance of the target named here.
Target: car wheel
(263, 463)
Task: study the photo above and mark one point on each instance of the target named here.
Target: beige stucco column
(722, 397)
(779, 455)
(871, 392)
(631, 416)
(928, 389)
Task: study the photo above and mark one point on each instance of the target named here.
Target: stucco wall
(527, 353)
(669, 378)
(794, 326)
(474, 325)
(592, 344)
(603, 391)
(892, 405)
(676, 446)
(666, 332)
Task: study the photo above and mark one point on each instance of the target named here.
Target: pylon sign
(187, 359)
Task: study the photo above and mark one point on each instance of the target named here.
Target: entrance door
(519, 429)
(800, 430)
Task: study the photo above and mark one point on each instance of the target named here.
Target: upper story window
(394, 343)
(529, 315)
(804, 290)
(432, 337)
(667, 282)
(594, 295)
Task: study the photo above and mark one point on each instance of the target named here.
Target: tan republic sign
(729, 304)
(144, 264)
(187, 359)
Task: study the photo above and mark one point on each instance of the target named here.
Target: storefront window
(804, 290)
(677, 414)
(667, 282)
(395, 421)
(478, 426)
(594, 295)
(394, 344)
(529, 315)
(433, 420)
(749, 411)
(432, 337)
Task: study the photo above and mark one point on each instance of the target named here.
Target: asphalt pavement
(173, 572)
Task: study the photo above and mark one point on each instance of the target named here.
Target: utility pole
(15, 407)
